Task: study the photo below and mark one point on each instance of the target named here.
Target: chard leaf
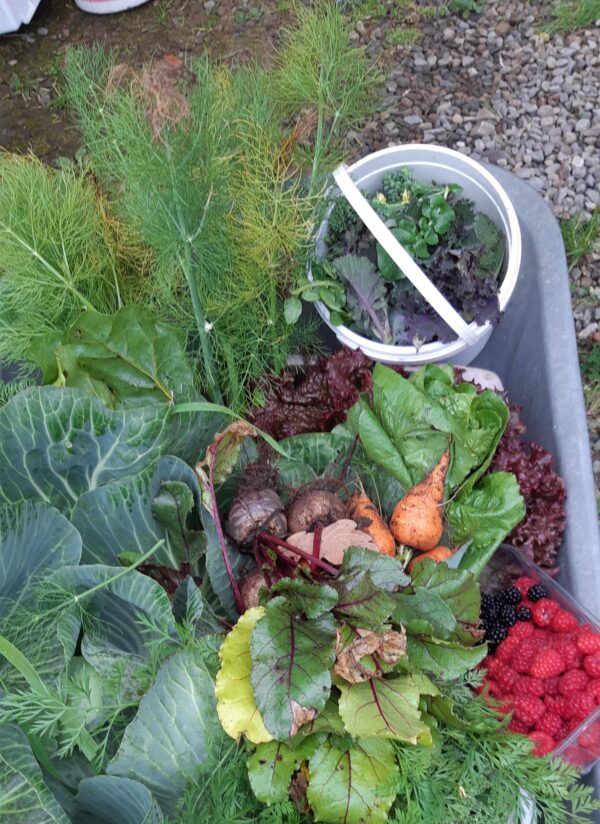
(105, 799)
(365, 297)
(383, 708)
(117, 358)
(422, 612)
(484, 516)
(170, 736)
(271, 765)
(292, 659)
(24, 797)
(406, 234)
(312, 600)
(236, 707)
(457, 589)
(366, 587)
(446, 659)
(355, 785)
(133, 514)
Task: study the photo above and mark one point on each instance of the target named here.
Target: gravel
(495, 87)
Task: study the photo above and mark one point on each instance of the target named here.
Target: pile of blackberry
(501, 611)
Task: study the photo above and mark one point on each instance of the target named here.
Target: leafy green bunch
(351, 692)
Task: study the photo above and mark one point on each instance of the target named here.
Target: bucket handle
(400, 256)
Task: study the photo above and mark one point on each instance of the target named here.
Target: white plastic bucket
(13, 13)
(435, 163)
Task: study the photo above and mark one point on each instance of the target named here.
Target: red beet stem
(273, 542)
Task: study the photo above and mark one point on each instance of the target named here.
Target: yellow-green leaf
(235, 698)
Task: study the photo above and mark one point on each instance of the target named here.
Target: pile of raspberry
(543, 667)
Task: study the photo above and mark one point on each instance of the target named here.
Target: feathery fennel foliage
(223, 218)
(318, 69)
(58, 252)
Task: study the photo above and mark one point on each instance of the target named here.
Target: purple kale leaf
(366, 295)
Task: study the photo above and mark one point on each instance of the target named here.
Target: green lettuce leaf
(412, 421)
(292, 659)
(484, 516)
(353, 785)
(117, 358)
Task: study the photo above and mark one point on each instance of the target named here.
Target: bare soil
(32, 115)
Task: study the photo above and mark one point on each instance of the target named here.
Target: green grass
(569, 15)
(404, 37)
(580, 233)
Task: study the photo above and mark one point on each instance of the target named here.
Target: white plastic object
(428, 163)
(108, 6)
(13, 13)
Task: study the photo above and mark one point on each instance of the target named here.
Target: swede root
(417, 518)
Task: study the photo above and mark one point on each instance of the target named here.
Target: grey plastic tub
(534, 351)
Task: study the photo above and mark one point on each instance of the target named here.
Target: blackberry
(524, 614)
(511, 595)
(507, 617)
(536, 592)
(495, 634)
(487, 602)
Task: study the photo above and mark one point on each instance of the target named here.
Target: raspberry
(590, 740)
(506, 678)
(591, 664)
(528, 708)
(518, 726)
(576, 756)
(547, 663)
(593, 688)
(583, 705)
(524, 655)
(529, 686)
(560, 705)
(569, 653)
(572, 681)
(521, 630)
(563, 621)
(572, 725)
(551, 685)
(544, 743)
(588, 643)
(523, 583)
(543, 611)
(492, 664)
(507, 648)
(551, 723)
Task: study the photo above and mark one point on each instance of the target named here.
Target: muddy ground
(32, 115)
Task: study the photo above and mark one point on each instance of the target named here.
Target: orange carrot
(364, 512)
(417, 518)
(439, 554)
